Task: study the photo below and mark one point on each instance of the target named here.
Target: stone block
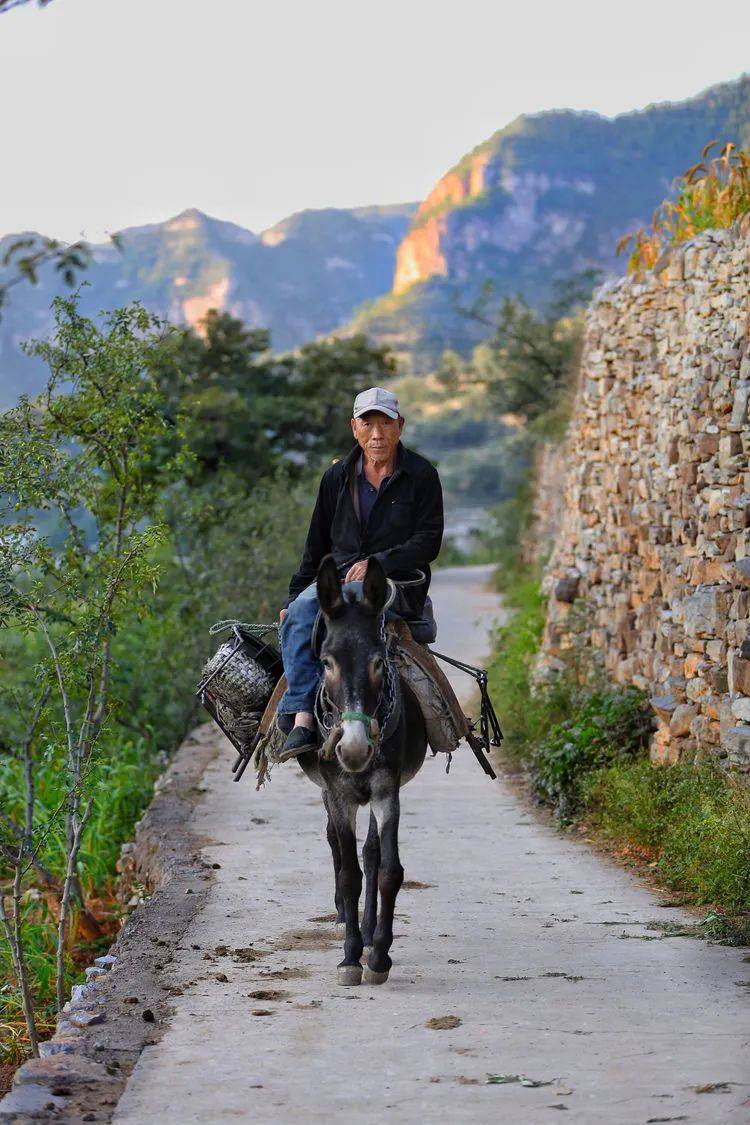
(739, 674)
(729, 446)
(52, 1071)
(566, 589)
(664, 706)
(736, 742)
(741, 708)
(705, 612)
(682, 717)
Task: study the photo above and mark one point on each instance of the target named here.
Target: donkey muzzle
(354, 749)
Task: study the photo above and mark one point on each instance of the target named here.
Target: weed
(710, 195)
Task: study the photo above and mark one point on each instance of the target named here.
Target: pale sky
(117, 112)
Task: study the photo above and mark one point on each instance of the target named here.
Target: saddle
(445, 722)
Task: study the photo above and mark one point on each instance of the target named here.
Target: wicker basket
(237, 683)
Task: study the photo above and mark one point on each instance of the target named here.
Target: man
(383, 501)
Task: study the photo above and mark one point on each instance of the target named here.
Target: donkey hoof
(340, 929)
(370, 976)
(349, 974)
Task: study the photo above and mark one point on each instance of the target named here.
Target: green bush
(606, 727)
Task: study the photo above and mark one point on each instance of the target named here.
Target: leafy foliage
(131, 518)
(606, 727)
(712, 194)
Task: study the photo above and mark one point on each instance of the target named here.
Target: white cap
(376, 398)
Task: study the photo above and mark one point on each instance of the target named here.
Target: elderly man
(383, 501)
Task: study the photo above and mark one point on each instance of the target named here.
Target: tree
(83, 456)
(314, 390)
(527, 359)
(241, 408)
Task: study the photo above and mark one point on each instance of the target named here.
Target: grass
(583, 747)
(124, 786)
(694, 818)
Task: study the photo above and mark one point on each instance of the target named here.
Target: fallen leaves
(443, 1023)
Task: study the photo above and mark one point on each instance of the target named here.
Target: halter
(361, 717)
(326, 710)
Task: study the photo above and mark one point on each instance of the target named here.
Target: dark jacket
(404, 531)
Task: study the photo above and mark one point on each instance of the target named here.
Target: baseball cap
(376, 398)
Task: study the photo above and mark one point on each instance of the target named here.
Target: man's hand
(282, 614)
(356, 572)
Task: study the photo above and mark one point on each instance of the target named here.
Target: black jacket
(404, 531)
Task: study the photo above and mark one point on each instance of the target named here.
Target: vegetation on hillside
(713, 194)
(161, 482)
(560, 187)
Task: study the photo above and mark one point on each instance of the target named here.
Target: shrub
(607, 727)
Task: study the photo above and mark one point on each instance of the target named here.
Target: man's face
(377, 434)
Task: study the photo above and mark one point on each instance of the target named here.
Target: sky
(121, 112)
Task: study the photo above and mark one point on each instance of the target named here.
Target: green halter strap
(360, 717)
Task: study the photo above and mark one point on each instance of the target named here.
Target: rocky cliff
(654, 546)
(545, 197)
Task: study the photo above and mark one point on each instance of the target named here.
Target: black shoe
(285, 721)
(297, 742)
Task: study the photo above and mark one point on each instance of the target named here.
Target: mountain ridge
(548, 195)
(300, 278)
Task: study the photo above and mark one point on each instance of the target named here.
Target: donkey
(379, 744)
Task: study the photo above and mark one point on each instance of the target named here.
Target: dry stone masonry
(654, 541)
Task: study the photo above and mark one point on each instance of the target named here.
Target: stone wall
(548, 473)
(654, 537)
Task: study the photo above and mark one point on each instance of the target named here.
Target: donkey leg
(390, 878)
(333, 842)
(350, 882)
(371, 859)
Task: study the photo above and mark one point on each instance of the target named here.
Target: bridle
(380, 725)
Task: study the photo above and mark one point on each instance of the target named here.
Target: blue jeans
(303, 670)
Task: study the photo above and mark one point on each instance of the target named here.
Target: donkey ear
(330, 597)
(375, 586)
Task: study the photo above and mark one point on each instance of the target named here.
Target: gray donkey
(376, 744)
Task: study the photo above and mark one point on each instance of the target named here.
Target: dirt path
(540, 949)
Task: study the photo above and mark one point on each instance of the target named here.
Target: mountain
(546, 196)
(300, 279)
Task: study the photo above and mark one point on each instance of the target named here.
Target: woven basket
(235, 688)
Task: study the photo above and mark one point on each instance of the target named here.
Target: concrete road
(537, 951)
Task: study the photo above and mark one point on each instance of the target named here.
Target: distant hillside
(301, 278)
(548, 195)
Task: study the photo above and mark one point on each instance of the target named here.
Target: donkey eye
(377, 664)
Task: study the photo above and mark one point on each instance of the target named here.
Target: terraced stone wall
(655, 539)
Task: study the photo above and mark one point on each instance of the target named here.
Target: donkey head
(353, 656)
